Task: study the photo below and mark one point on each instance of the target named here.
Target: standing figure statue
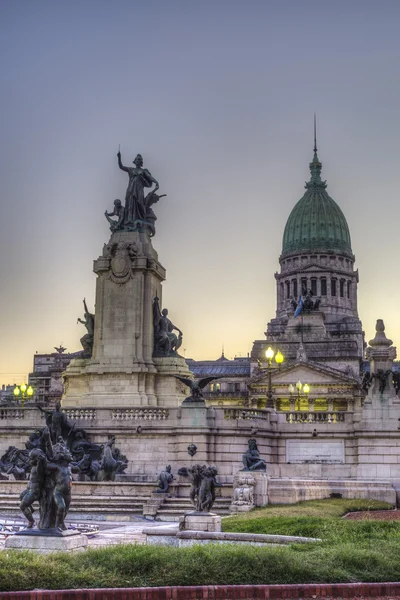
(251, 458)
(49, 484)
(57, 423)
(88, 338)
(166, 343)
(135, 202)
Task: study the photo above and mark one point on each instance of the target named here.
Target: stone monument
(132, 359)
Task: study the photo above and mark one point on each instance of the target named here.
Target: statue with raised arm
(138, 215)
(166, 342)
(57, 422)
(88, 338)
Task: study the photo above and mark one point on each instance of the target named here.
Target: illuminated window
(301, 404)
(320, 404)
(283, 404)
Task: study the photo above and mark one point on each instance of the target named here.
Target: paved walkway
(111, 532)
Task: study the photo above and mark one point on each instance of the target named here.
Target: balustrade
(315, 417)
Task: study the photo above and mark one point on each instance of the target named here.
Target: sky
(218, 96)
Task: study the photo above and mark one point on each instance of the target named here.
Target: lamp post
(23, 392)
(299, 388)
(269, 354)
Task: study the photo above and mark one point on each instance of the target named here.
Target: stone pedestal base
(68, 541)
(260, 488)
(152, 505)
(200, 521)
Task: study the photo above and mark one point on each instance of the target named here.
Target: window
(342, 282)
(323, 286)
(283, 404)
(314, 285)
(303, 284)
(333, 286)
(237, 387)
(320, 404)
(348, 289)
(287, 289)
(294, 283)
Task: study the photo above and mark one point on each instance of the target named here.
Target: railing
(11, 413)
(245, 414)
(85, 414)
(222, 394)
(140, 414)
(315, 417)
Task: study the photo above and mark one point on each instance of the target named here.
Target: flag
(299, 306)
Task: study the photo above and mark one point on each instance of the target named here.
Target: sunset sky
(218, 96)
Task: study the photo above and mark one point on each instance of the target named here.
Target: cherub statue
(119, 212)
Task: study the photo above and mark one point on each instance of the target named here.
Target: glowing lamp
(23, 388)
(17, 391)
(279, 357)
(291, 389)
(29, 391)
(306, 388)
(299, 385)
(269, 353)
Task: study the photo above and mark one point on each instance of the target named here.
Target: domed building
(317, 272)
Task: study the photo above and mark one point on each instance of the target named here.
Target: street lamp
(299, 387)
(23, 392)
(269, 354)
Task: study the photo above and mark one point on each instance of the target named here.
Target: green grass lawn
(351, 551)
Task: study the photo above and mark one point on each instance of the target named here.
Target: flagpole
(301, 327)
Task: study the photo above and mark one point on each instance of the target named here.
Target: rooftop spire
(315, 134)
(315, 165)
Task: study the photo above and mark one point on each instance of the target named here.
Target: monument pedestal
(122, 371)
(200, 521)
(65, 541)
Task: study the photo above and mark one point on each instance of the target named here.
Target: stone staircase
(173, 508)
(96, 507)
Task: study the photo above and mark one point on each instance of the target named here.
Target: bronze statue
(251, 458)
(119, 212)
(164, 479)
(382, 377)
(203, 480)
(166, 343)
(50, 484)
(196, 387)
(137, 215)
(57, 422)
(110, 466)
(31, 494)
(88, 338)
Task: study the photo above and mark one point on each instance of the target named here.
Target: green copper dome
(316, 223)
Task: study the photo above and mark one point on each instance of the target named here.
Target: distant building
(46, 378)
(230, 388)
(7, 393)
